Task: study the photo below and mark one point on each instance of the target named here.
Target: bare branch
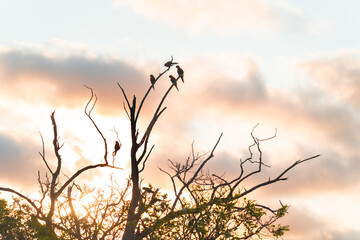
(73, 214)
(43, 154)
(278, 178)
(88, 114)
(81, 171)
(147, 93)
(123, 92)
(147, 156)
(127, 113)
(196, 173)
(31, 202)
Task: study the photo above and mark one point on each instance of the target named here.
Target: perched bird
(148, 189)
(180, 71)
(152, 80)
(170, 63)
(173, 80)
(116, 148)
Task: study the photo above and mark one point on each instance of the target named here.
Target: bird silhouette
(152, 80)
(116, 148)
(148, 189)
(180, 71)
(173, 80)
(170, 63)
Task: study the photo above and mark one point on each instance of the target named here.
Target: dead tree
(51, 188)
(139, 148)
(189, 179)
(205, 206)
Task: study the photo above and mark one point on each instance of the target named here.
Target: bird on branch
(116, 148)
(180, 71)
(173, 81)
(170, 63)
(148, 189)
(152, 80)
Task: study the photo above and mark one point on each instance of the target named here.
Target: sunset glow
(293, 67)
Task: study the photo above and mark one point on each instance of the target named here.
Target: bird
(148, 189)
(152, 80)
(116, 148)
(170, 63)
(173, 80)
(180, 71)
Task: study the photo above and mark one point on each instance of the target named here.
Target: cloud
(19, 163)
(305, 224)
(215, 87)
(220, 16)
(344, 235)
(302, 223)
(308, 119)
(337, 74)
(35, 77)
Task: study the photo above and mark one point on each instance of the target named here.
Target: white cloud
(221, 16)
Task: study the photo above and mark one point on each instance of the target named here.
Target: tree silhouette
(204, 206)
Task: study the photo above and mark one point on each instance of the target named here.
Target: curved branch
(278, 178)
(88, 114)
(81, 171)
(43, 154)
(23, 197)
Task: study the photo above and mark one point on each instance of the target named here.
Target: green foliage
(14, 224)
(279, 231)
(220, 218)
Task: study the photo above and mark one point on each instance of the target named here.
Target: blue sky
(290, 65)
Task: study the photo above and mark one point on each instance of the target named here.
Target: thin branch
(147, 134)
(88, 114)
(147, 156)
(196, 173)
(127, 113)
(81, 171)
(56, 146)
(278, 178)
(147, 93)
(73, 214)
(23, 197)
(156, 114)
(127, 101)
(43, 154)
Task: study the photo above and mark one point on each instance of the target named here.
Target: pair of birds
(180, 72)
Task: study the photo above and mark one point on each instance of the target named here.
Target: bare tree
(205, 205)
(189, 179)
(51, 188)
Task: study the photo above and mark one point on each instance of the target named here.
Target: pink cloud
(217, 94)
(338, 75)
(19, 163)
(60, 81)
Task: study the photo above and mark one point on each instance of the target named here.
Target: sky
(288, 65)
